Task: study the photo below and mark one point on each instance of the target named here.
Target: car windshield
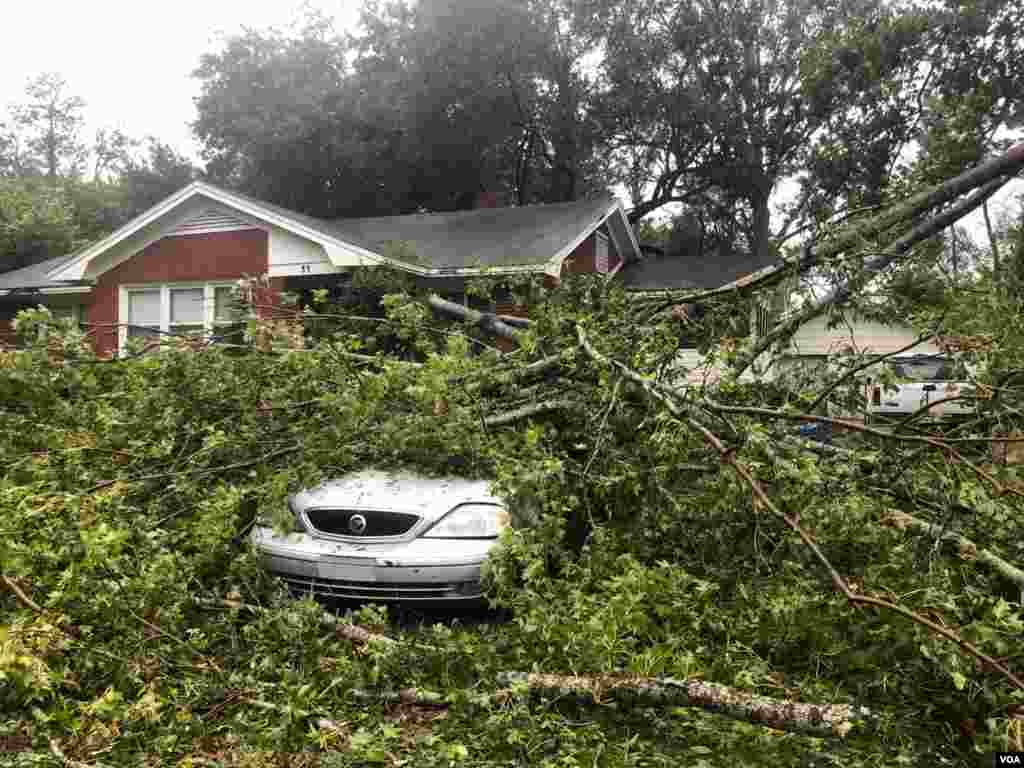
(925, 369)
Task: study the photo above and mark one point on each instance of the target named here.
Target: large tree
(714, 105)
(275, 119)
(427, 106)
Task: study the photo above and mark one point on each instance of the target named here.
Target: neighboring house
(657, 272)
(173, 268)
(815, 342)
(926, 372)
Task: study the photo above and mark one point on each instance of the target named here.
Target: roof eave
(51, 290)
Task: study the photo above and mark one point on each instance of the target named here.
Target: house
(822, 338)
(173, 268)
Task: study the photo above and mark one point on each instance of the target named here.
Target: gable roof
(487, 237)
(531, 238)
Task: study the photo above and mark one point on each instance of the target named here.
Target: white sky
(131, 59)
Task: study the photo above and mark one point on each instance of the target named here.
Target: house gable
(188, 209)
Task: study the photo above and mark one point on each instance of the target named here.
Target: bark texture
(835, 720)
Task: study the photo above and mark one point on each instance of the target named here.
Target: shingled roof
(514, 239)
(34, 277)
(658, 271)
(487, 237)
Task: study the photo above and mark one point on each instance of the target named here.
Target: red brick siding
(206, 257)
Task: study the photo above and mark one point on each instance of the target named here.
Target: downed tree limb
(518, 375)
(821, 720)
(533, 409)
(828, 720)
(966, 547)
(870, 269)
(484, 320)
(835, 720)
(1007, 164)
(727, 454)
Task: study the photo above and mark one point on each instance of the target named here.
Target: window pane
(223, 301)
(137, 331)
(187, 306)
(144, 308)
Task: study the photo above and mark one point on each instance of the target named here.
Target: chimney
(487, 200)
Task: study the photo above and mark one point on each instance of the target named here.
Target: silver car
(379, 535)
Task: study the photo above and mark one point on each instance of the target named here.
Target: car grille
(375, 590)
(372, 524)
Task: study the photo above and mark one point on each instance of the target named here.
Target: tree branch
(966, 547)
(996, 170)
(534, 409)
(483, 320)
(813, 719)
(870, 269)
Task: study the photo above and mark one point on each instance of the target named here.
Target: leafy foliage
(128, 487)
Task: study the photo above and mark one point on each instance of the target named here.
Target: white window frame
(209, 305)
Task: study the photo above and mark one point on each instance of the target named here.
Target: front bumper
(417, 570)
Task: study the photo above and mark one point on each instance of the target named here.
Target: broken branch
(966, 547)
(781, 714)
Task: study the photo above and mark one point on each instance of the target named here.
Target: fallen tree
(676, 545)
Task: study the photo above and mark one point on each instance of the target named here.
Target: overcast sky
(131, 60)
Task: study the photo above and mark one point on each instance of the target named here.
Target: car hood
(428, 497)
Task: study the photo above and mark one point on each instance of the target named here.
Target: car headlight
(470, 521)
(297, 526)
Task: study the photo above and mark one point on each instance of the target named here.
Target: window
(151, 311)
(927, 369)
(143, 313)
(226, 325)
(188, 313)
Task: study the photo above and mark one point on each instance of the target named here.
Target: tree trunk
(996, 271)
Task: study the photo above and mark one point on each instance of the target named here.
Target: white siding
(294, 255)
(814, 338)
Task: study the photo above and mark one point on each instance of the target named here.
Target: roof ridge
(606, 199)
